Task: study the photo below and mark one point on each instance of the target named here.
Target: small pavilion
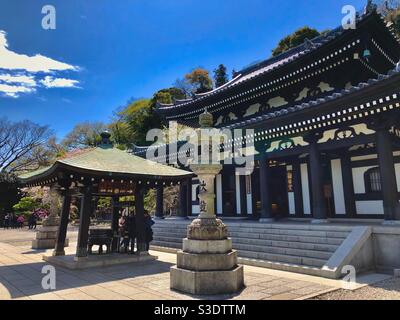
(104, 171)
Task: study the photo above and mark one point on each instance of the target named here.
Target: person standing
(7, 221)
(132, 231)
(121, 229)
(148, 223)
(20, 221)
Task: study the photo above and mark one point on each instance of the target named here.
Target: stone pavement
(20, 278)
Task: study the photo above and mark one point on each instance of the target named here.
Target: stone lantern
(207, 264)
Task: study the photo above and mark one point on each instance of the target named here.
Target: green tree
(220, 76)
(390, 9)
(26, 205)
(200, 79)
(295, 39)
(132, 123)
(83, 135)
(10, 194)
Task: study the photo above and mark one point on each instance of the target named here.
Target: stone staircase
(296, 247)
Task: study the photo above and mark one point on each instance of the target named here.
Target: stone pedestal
(207, 267)
(46, 235)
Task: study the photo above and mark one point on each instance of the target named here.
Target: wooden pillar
(62, 229)
(159, 202)
(114, 224)
(388, 175)
(348, 185)
(243, 195)
(297, 189)
(266, 202)
(189, 197)
(255, 191)
(139, 216)
(318, 202)
(182, 211)
(84, 222)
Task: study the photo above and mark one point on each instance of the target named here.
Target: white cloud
(14, 61)
(21, 73)
(51, 82)
(14, 91)
(19, 78)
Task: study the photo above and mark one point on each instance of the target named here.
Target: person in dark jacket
(148, 223)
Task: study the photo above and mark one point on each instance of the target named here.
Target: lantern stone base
(207, 282)
(207, 267)
(46, 238)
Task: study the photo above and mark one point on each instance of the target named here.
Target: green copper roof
(110, 160)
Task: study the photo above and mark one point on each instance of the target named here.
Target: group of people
(12, 221)
(128, 232)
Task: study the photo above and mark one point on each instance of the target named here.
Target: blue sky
(104, 52)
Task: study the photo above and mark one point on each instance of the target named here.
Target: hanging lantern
(367, 54)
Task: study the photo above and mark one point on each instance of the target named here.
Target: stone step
(290, 267)
(284, 251)
(283, 258)
(168, 238)
(248, 231)
(292, 242)
(305, 253)
(166, 244)
(305, 261)
(287, 244)
(257, 236)
(260, 226)
(305, 233)
(291, 226)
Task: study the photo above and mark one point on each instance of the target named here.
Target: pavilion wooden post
(140, 223)
(84, 222)
(182, 211)
(114, 223)
(64, 219)
(189, 197)
(160, 202)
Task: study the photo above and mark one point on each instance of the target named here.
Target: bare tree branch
(23, 145)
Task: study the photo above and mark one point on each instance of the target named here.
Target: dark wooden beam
(62, 229)
(84, 221)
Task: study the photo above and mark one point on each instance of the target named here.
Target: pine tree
(220, 76)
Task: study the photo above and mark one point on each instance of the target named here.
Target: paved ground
(20, 278)
(384, 290)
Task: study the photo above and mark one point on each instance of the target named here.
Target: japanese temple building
(326, 119)
(107, 172)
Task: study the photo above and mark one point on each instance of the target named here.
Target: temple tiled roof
(317, 103)
(265, 67)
